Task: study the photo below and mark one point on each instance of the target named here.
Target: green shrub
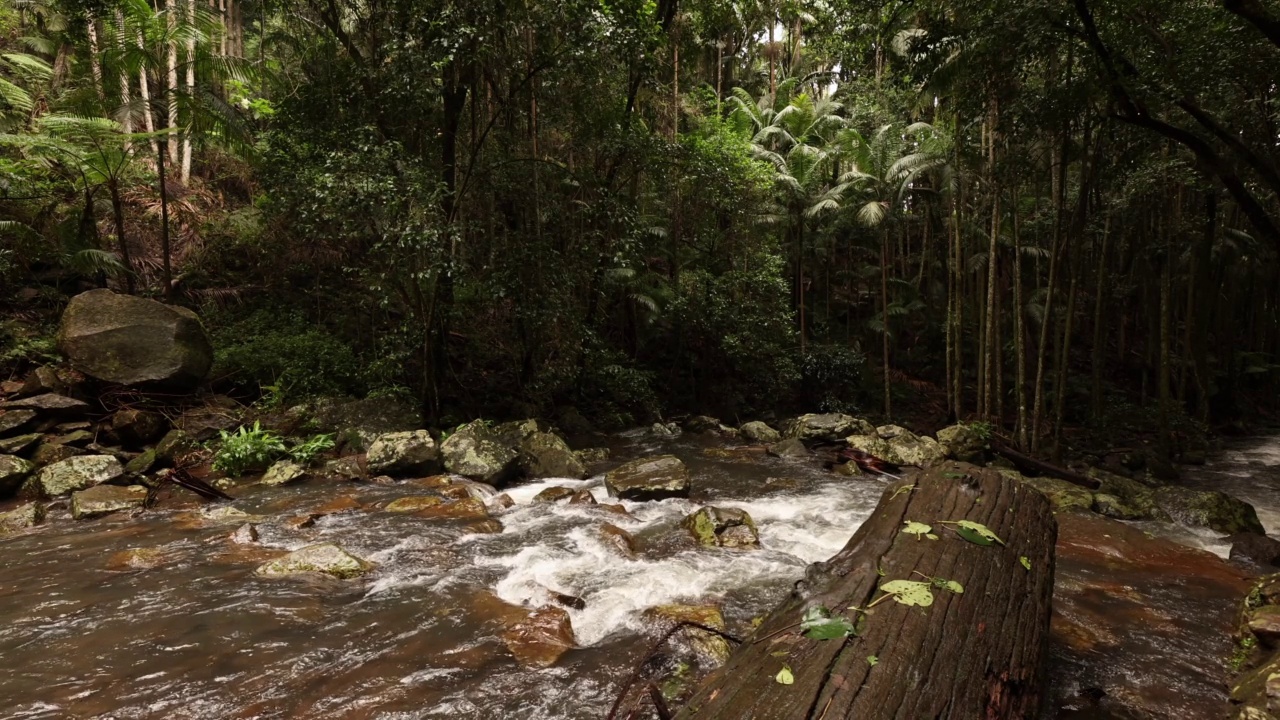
(305, 452)
(247, 449)
(832, 378)
(284, 353)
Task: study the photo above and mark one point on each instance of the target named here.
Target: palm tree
(885, 169)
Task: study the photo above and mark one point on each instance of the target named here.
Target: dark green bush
(832, 378)
(286, 357)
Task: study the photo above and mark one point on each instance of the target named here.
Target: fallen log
(1026, 463)
(976, 654)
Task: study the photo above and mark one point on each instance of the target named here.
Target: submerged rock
(542, 638)
(106, 499)
(618, 539)
(759, 432)
(789, 448)
(1253, 548)
(246, 534)
(826, 426)
(468, 509)
(413, 503)
(654, 478)
(21, 518)
(13, 472)
(711, 649)
(1208, 508)
(131, 340)
(406, 453)
(326, 558)
(283, 473)
(75, 473)
(140, 559)
(722, 527)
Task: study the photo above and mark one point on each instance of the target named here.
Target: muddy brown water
(1140, 628)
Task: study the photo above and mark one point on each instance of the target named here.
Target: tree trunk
(171, 89)
(191, 90)
(1099, 322)
(117, 212)
(1019, 332)
(164, 227)
(144, 89)
(884, 306)
(979, 654)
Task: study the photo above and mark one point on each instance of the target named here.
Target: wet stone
(13, 472)
(468, 509)
(140, 559)
(722, 527)
(485, 527)
(326, 558)
(541, 638)
(246, 534)
(759, 432)
(21, 518)
(582, 497)
(1264, 623)
(654, 478)
(76, 473)
(283, 473)
(789, 448)
(618, 539)
(501, 502)
(553, 495)
(710, 648)
(106, 499)
(413, 503)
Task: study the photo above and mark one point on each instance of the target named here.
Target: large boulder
(546, 455)
(1210, 509)
(407, 453)
(759, 432)
(709, 648)
(131, 340)
(106, 499)
(899, 446)
(325, 558)
(722, 527)
(74, 473)
(653, 478)
(541, 638)
(480, 452)
(789, 448)
(826, 426)
(13, 471)
(964, 442)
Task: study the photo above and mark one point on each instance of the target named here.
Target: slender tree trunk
(884, 305)
(1099, 323)
(171, 88)
(1166, 290)
(126, 94)
(773, 56)
(164, 228)
(117, 211)
(191, 89)
(1019, 332)
(1047, 317)
(95, 58)
(991, 350)
(1064, 355)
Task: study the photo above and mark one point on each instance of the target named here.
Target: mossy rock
(1065, 496)
(325, 558)
(653, 478)
(722, 527)
(21, 518)
(1210, 509)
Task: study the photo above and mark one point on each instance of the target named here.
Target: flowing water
(197, 635)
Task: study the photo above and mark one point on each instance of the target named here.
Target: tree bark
(191, 91)
(884, 307)
(979, 654)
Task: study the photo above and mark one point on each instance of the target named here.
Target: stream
(1141, 624)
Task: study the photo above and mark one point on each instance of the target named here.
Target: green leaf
(981, 529)
(974, 532)
(953, 586)
(909, 592)
(932, 536)
(1025, 562)
(872, 660)
(817, 624)
(784, 676)
(917, 529)
(973, 537)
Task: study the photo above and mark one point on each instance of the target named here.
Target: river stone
(467, 509)
(1123, 498)
(583, 497)
(541, 638)
(827, 426)
(105, 499)
(18, 444)
(21, 518)
(963, 442)
(283, 472)
(553, 495)
(138, 427)
(407, 453)
(413, 503)
(722, 527)
(711, 649)
(1264, 623)
(619, 540)
(246, 534)
(544, 455)
(1065, 496)
(13, 471)
(478, 452)
(902, 447)
(326, 558)
(789, 448)
(43, 379)
(586, 456)
(50, 405)
(75, 473)
(759, 432)
(1257, 549)
(144, 461)
(702, 424)
(1209, 508)
(13, 420)
(140, 558)
(653, 478)
(132, 340)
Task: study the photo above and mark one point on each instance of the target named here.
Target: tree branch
(1256, 15)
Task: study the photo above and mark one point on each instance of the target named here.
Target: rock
(346, 468)
(1257, 549)
(583, 497)
(174, 446)
(501, 502)
(1065, 496)
(900, 446)
(541, 638)
(572, 422)
(405, 453)
(49, 405)
(357, 423)
(847, 469)
(553, 495)
(468, 509)
(653, 478)
(488, 526)
(827, 426)
(1208, 508)
(758, 432)
(1264, 623)
(21, 518)
(545, 455)
(1125, 499)
(18, 444)
(722, 527)
(132, 340)
(75, 473)
(142, 463)
(711, 649)
(789, 448)
(283, 472)
(618, 539)
(48, 453)
(964, 442)
(12, 421)
(478, 452)
(76, 437)
(326, 558)
(413, 503)
(13, 472)
(246, 534)
(105, 499)
(139, 559)
(135, 428)
(587, 456)
(664, 430)
(1111, 506)
(42, 380)
(702, 424)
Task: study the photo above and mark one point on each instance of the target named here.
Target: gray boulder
(405, 453)
(825, 426)
(480, 452)
(758, 432)
(653, 478)
(722, 527)
(283, 473)
(701, 424)
(18, 444)
(106, 499)
(544, 455)
(900, 446)
(325, 558)
(13, 472)
(132, 340)
(75, 473)
(50, 405)
(14, 420)
(357, 423)
(1209, 508)
(963, 442)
